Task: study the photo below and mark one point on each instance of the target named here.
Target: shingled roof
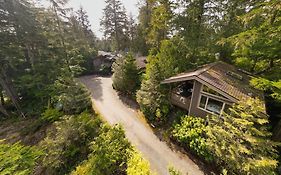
(223, 77)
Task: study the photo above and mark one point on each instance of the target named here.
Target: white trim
(207, 100)
(191, 97)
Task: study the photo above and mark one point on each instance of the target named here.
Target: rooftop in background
(221, 76)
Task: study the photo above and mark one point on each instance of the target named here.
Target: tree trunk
(6, 84)
(3, 110)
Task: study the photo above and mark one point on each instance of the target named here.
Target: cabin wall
(193, 109)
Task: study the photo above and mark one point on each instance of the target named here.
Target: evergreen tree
(151, 96)
(258, 48)
(240, 140)
(84, 22)
(115, 24)
(160, 22)
(125, 77)
(73, 97)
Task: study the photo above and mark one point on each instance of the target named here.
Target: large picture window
(211, 105)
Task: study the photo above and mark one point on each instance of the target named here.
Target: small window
(214, 106)
(203, 101)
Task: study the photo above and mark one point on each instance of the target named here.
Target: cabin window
(212, 105)
(203, 102)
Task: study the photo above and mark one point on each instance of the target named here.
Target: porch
(181, 95)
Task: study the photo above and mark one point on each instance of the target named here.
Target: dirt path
(138, 132)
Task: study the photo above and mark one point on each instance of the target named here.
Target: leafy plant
(17, 158)
(109, 153)
(51, 115)
(190, 132)
(240, 140)
(68, 143)
(137, 165)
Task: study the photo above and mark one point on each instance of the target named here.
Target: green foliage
(125, 77)
(68, 143)
(174, 171)
(240, 141)
(115, 24)
(257, 48)
(152, 96)
(51, 115)
(137, 165)
(44, 44)
(109, 153)
(274, 87)
(190, 132)
(72, 95)
(18, 159)
(160, 22)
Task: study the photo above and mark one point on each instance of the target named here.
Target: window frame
(224, 103)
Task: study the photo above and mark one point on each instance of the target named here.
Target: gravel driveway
(137, 131)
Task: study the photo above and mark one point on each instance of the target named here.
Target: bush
(109, 153)
(68, 144)
(51, 115)
(125, 77)
(138, 165)
(190, 132)
(17, 159)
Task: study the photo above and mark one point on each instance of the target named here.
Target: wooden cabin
(211, 89)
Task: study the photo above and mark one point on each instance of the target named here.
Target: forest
(49, 125)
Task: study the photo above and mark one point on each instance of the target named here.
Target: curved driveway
(137, 131)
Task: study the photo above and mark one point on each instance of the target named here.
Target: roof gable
(223, 77)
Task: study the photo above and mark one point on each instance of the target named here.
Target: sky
(95, 8)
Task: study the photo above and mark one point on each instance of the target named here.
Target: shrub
(51, 115)
(125, 77)
(137, 165)
(109, 153)
(17, 159)
(68, 143)
(190, 132)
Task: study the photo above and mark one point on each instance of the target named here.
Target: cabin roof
(222, 76)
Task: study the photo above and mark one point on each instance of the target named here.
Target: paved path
(137, 131)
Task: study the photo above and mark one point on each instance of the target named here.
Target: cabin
(103, 61)
(210, 89)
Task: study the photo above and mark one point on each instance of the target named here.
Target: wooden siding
(182, 102)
